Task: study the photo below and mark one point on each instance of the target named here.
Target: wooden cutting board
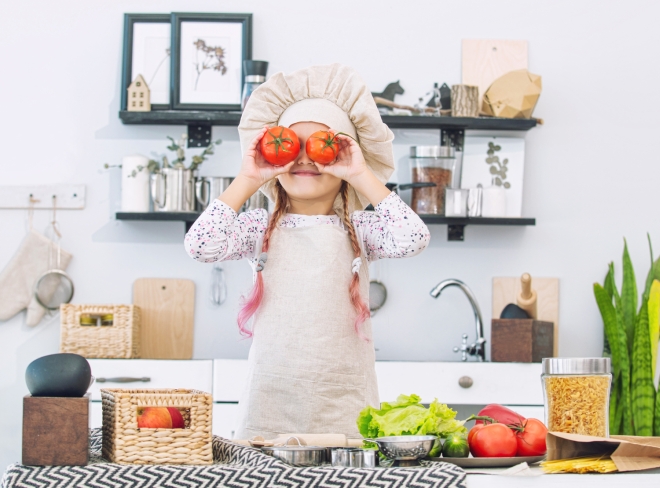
(167, 310)
(485, 60)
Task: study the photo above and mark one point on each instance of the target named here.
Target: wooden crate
(124, 442)
(55, 431)
(119, 340)
(521, 340)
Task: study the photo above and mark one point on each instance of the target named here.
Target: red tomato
(322, 147)
(501, 414)
(531, 441)
(474, 430)
(494, 440)
(279, 146)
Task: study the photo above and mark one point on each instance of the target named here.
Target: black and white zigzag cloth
(234, 467)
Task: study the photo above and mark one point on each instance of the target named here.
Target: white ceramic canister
(493, 203)
(135, 184)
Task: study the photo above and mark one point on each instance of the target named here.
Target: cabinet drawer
(504, 383)
(229, 379)
(157, 373)
(225, 416)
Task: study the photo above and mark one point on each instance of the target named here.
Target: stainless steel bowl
(349, 457)
(302, 456)
(405, 447)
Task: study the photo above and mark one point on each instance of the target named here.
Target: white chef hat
(333, 95)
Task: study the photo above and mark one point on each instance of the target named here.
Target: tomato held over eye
(279, 146)
(322, 147)
(531, 440)
(494, 440)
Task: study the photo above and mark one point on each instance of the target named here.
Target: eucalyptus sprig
(177, 147)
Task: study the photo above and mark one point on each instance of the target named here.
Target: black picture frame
(127, 62)
(178, 18)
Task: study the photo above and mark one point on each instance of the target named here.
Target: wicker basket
(119, 340)
(124, 442)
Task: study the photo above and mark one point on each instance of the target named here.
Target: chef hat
(333, 95)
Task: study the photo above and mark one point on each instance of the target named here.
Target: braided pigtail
(250, 304)
(358, 303)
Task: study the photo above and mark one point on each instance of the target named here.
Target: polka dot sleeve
(393, 230)
(219, 234)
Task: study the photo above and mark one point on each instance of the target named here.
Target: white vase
(493, 202)
(134, 189)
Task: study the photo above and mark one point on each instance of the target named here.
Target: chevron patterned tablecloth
(234, 466)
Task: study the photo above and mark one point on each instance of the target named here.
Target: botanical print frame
(147, 44)
(498, 161)
(208, 51)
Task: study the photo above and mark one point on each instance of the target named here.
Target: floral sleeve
(393, 230)
(220, 234)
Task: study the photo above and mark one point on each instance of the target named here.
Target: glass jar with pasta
(577, 395)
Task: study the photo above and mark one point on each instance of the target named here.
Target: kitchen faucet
(478, 348)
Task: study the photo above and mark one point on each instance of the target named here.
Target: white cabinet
(146, 373)
(151, 373)
(225, 416)
(504, 383)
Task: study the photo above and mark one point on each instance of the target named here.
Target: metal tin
(577, 366)
(432, 152)
(348, 457)
(299, 455)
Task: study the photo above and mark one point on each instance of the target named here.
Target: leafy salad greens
(407, 416)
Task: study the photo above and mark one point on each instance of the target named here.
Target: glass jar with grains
(436, 165)
(577, 395)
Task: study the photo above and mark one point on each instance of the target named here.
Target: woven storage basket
(119, 340)
(124, 442)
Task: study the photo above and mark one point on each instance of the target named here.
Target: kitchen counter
(638, 479)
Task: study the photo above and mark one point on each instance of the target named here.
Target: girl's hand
(350, 164)
(255, 168)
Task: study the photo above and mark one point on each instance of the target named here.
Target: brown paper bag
(629, 453)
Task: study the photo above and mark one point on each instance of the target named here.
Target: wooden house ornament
(139, 97)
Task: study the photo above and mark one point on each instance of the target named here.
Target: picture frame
(208, 50)
(146, 51)
(496, 161)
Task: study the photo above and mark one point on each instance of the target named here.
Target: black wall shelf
(455, 229)
(189, 117)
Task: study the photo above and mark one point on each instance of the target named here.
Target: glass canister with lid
(431, 164)
(577, 395)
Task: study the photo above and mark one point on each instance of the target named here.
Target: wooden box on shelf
(55, 431)
(118, 338)
(521, 340)
(124, 442)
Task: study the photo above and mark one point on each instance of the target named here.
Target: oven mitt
(32, 259)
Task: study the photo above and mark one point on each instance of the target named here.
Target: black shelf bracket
(453, 138)
(455, 232)
(199, 135)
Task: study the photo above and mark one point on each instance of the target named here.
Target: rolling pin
(527, 298)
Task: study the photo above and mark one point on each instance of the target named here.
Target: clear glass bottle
(431, 164)
(576, 393)
(255, 75)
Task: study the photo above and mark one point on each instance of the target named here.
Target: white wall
(591, 175)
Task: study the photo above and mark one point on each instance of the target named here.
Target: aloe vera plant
(631, 340)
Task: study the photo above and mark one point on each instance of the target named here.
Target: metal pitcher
(173, 190)
(258, 200)
(209, 187)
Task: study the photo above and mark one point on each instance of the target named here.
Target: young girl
(312, 362)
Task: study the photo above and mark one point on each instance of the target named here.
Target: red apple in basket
(177, 418)
(154, 418)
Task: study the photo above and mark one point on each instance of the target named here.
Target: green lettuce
(407, 416)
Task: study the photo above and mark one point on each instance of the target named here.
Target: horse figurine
(390, 91)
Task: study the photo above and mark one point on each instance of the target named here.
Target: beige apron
(308, 371)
